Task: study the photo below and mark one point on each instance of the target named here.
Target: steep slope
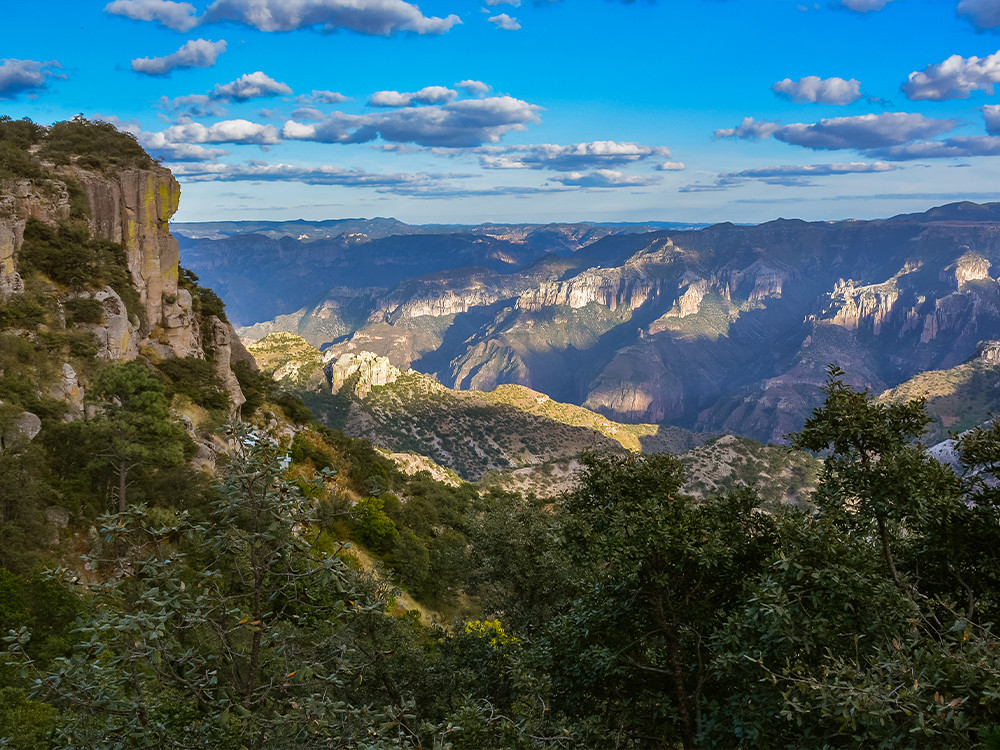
(726, 329)
(512, 437)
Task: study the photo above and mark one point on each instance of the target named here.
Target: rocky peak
(374, 370)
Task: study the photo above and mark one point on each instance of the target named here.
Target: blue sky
(535, 111)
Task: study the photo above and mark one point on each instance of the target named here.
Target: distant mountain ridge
(723, 329)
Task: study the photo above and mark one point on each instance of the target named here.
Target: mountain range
(721, 329)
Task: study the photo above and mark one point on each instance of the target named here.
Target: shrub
(196, 379)
(84, 310)
(97, 145)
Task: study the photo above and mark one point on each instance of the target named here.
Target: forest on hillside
(623, 615)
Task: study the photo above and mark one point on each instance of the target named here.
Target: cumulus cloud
(505, 22)
(864, 131)
(605, 178)
(984, 14)
(819, 90)
(863, 6)
(426, 95)
(474, 88)
(572, 158)
(251, 86)
(671, 166)
(749, 130)
(173, 15)
(377, 17)
(465, 123)
(955, 78)
(20, 76)
(197, 53)
(991, 114)
(160, 147)
(226, 131)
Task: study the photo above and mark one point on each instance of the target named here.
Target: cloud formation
(457, 124)
(20, 76)
(955, 78)
(173, 15)
(791, 175)
(474, 88)
(322, 97)
(819, 90)
(426, 95)
(505, 22)
(984, 14)
(749, 130)
(949, 148)
(226, 131)
(250, 86)
(258, 171)
(515, 3)
(605, 178)
(862, 132)
(376, 17)
(572, 158)
(197, 53)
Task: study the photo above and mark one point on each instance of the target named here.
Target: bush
(97, 145)
(84, 310)
(196, 379)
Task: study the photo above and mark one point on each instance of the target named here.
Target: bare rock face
(181, 325)
(68, 389)
(854, 307)
(970, 267)
(374, 370)
(223, 340)
(117, 337)
(133, 207)
(21, 200)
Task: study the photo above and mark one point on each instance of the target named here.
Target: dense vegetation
(24, 145)
(627, 615)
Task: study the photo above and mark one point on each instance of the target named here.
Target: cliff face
(131, 207)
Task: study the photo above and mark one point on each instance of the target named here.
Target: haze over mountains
(722, 329)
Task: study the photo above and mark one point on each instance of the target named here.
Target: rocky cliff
(130, 207)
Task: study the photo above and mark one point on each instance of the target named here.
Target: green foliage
(248, 645)
(96, 145)
(372, 527)
(84, 310)
(294, 407)
(196, 379)
(204, 301)
(257, 387)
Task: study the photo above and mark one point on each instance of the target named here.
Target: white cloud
(426, 95)
(819, 90)
(955, 78)
(572, 158)
(605, 178)
(671, 166)
(226, 131)
(515, 3)
(378, 17)
(474, 88)
(863, 6)
(173, 15)
(991, 114)
(251, 86)
(864, 131)
(470, 122)
(19, 76)
(505, 22)
(159, 146)
(984, 14)
(257, 171)
(749, 130)
(197, 53)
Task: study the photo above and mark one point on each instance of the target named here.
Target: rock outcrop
(372, 370)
